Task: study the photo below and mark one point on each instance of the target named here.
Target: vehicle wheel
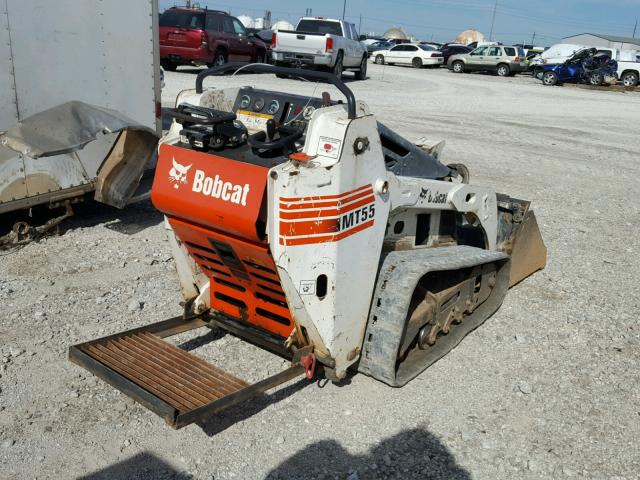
(219, 59)
(168, 65)
(630, 79)
(380, 59)
(458, 67)
(537, 73)
(362, 73)
(550, 79)
(416, 62)
(503, 70)
(260, 57)
(337, 68)
(596, 79)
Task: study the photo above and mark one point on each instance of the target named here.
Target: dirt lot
(547, 388)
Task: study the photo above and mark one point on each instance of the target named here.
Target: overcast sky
(516, 20)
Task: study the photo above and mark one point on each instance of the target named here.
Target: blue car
(585, 66)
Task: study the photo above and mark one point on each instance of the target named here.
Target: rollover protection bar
(293, 72)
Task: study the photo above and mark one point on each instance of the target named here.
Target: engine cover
(211, 191)
(217, 209)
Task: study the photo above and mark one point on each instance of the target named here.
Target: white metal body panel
(99, 52)
(337, 185)
(57, 173)
(8, 107)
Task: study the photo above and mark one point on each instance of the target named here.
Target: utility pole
(360, 25)
(493, 20)
(344, 8)
(634, 29)
(533, 38)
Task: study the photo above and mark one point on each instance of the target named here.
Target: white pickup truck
(321, 43)
(628, 60)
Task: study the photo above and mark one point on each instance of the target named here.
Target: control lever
(271, 129)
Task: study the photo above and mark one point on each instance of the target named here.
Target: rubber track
(399, 275)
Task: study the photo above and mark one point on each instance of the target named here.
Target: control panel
(254, 107)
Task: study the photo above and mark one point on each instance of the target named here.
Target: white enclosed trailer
(79, 99)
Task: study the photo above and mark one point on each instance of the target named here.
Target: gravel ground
(547, 388)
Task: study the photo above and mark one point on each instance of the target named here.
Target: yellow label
(254, 114)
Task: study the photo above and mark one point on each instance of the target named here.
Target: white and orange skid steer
(306, 227)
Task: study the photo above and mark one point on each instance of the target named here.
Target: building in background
(600, 40)
(247, 21)
(282, 25)
(397, 35)
(469, 36)
(260, 23)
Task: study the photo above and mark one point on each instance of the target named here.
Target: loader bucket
(529, 253)
(520, 237)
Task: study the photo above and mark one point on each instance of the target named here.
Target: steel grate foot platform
(180, 387)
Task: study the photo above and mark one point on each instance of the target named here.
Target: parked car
(482, 44)
(373, 47)
(453, 49)
(555, 55)
(435, 45)
(585, 66)
(321, 43)
(193, 36)
(628, 63)
(409, 54)
(503, 60)
(366, 41)
(267, 37)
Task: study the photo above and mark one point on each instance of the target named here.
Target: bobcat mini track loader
(306, 227)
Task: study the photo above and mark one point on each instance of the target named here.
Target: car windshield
(182, 19)
(428, 48)
(319, 26)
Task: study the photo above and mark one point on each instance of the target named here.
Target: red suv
(192, 36)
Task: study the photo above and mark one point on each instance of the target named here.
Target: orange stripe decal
(326, 212)
(326, 203)
(325, 238)
(312, 227)
(324, 219)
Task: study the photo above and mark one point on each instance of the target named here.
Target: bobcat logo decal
(178, 174)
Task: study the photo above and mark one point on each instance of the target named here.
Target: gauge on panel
(258, 104)
(245, 101)
(273, 108)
